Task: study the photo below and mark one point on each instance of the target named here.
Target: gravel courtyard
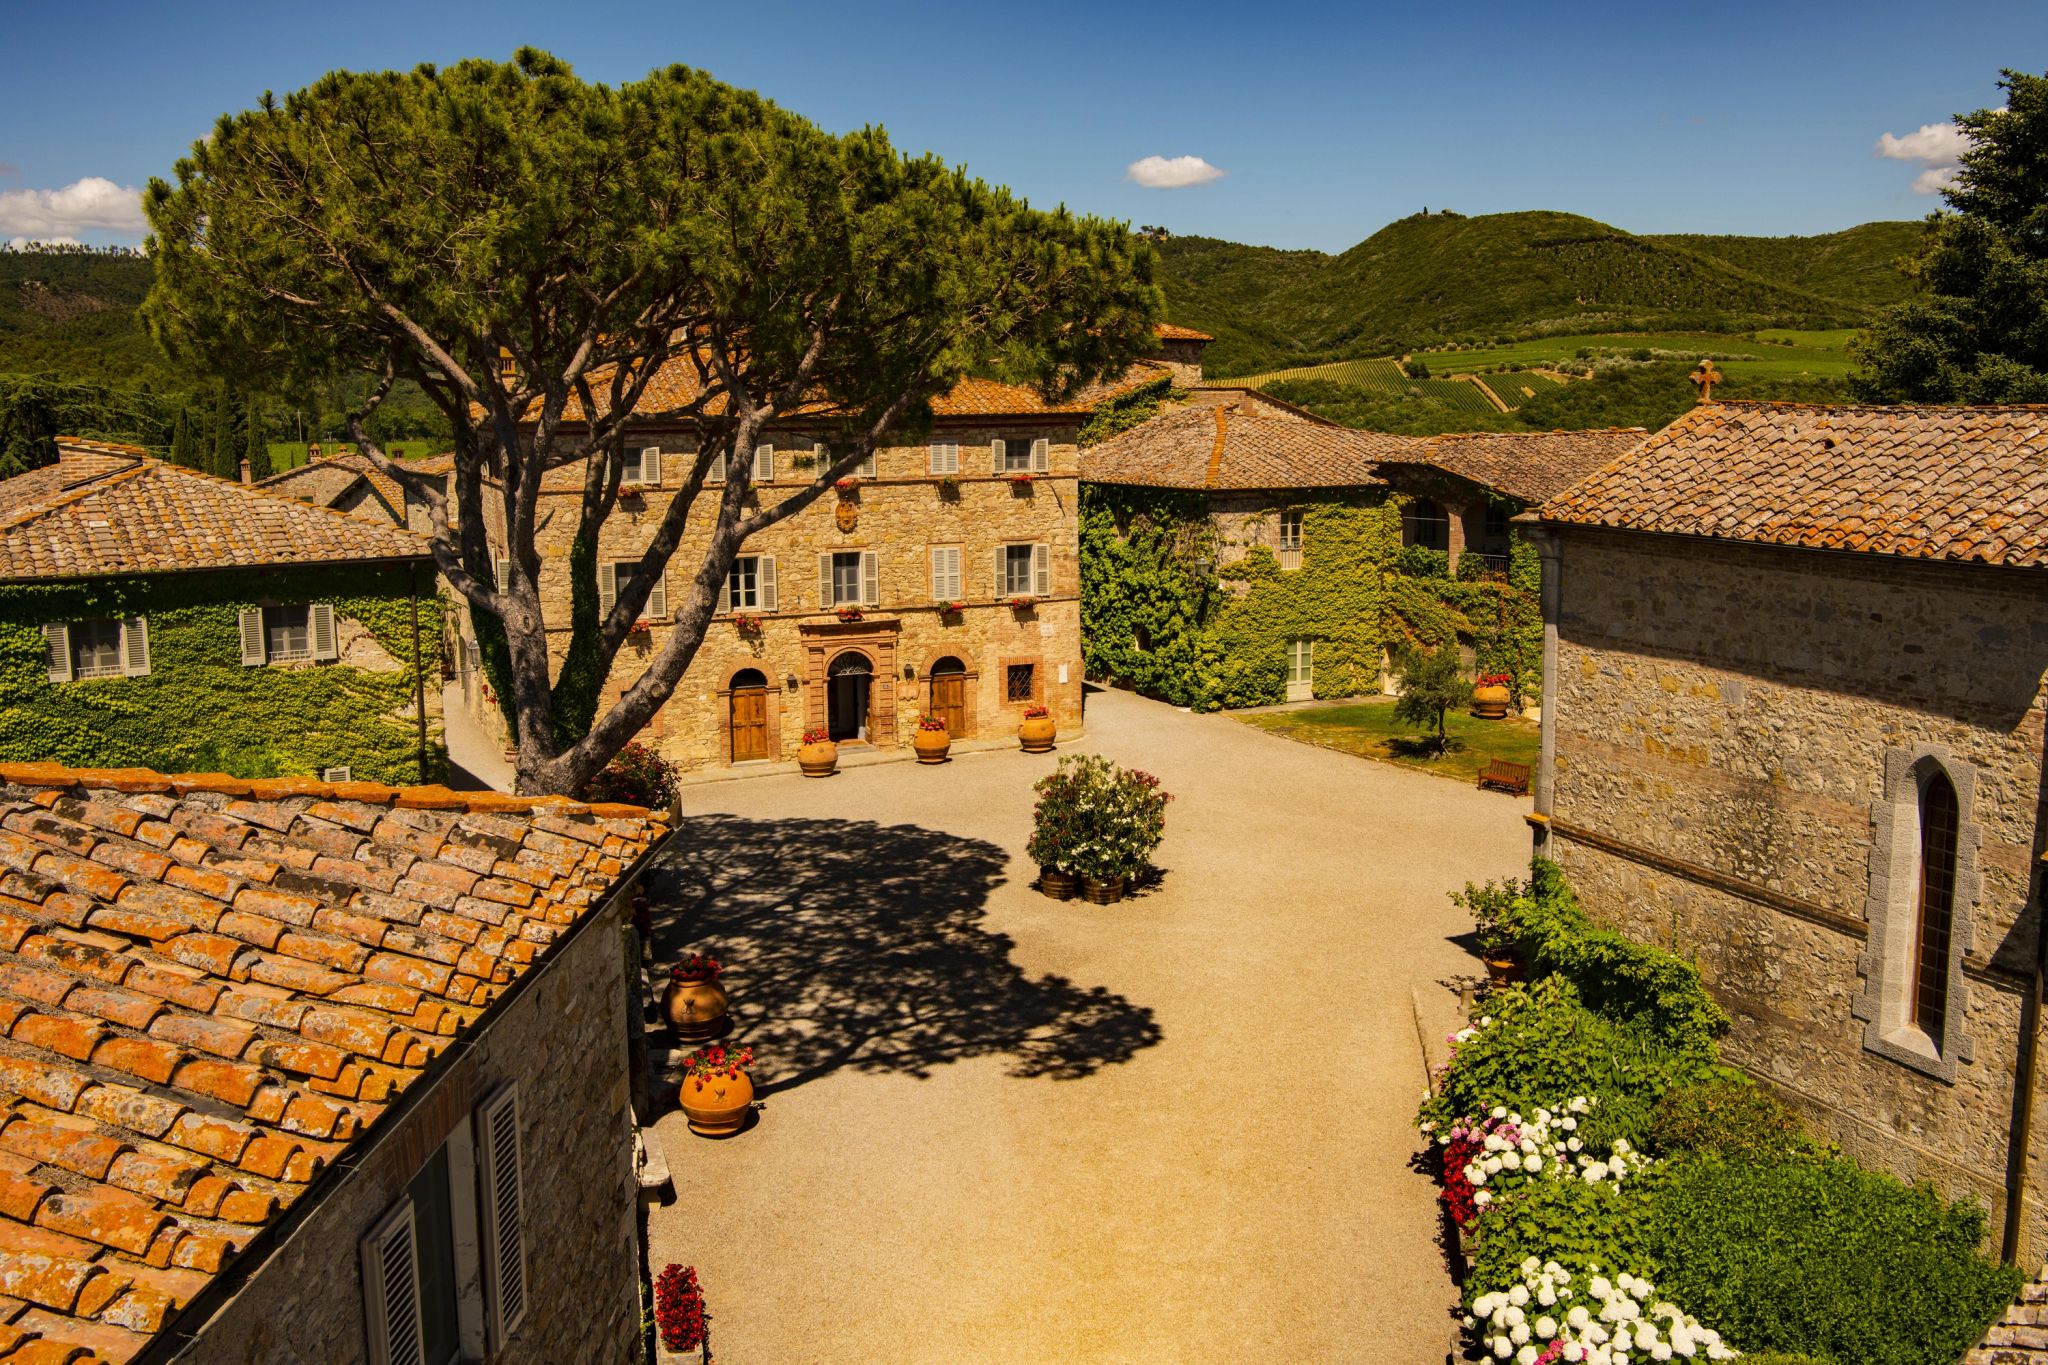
(1003, 1128)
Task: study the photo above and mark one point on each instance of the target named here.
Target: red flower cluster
(1036, 713)
(695, 967)
(846, 485)
(1020, 603)
(679, 1308)
(746, 622)
(849, 613)
(1458, 1191)
(1023, 479)
(717, 1060)
(817, 736)
(1492, 680)
(931, 723)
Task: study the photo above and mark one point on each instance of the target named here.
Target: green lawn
(1383, 379)
(1368, 729)
(1762, 354)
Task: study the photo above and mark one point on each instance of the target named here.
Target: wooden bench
(1502, 775)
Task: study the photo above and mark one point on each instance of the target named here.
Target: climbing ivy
(199, 709)
(1121, 412)
(1158, 617)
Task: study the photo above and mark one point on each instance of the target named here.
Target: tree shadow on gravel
(853, 944)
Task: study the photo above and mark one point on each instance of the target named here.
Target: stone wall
(564, 1041)
(901, 514)
(1723, 720)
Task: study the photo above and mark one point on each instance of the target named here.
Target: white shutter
(135, 647)
(996, 450)
(650, 465)
(871, 578)
(320, 625)
(498, 1167)
(502, 569)
(868, 466)
(607, 586)
(945, 457)
(391, 1290)
(825, 602)
(1041, 456)
(1041, 570)
(337, 775)
(725, 590)
(946, 573)
(938, 575)
(715, 472)
(57, 650)
(657, 598)
(764, 464)
(253, 652)
(764, 578)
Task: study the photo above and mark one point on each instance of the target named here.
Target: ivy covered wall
(1183, 599)
(199, 709)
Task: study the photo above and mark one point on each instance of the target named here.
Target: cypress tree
(28, 427)
(226, 450)
(258, 450)
(184, 442)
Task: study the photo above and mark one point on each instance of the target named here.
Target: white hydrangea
(1514, 1149)
(1602, 1322)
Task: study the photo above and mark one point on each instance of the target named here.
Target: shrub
(1431, 684)
(1423, 562)
(1729, 1115)
(1097, 819)
(638, 776)
(1560, 1220)
(1824, 1257)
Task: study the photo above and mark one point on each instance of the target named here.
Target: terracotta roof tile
(1527, 466)
(144, 516)
(178, 1072)
(1965, 485)
(1241, 445)
(1170, 332)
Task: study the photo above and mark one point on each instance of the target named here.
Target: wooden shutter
(1041, 570)
(725, 588)
(996, 450)
(650, 465)
(391, 1290)
(764, 464)
(607, 586)
(946, 573)
(135, 647)
(657, 597)
(715, 472)
(57, 650)
(337, 775)
(253, 653)
(868, 467)
(502, 570)
(498, 1170)
(939, 575)
(764, 581)
(320, 626)
(825, 602)
(1041, 456)
(1002, 557)
(945, 457)
(871, 578)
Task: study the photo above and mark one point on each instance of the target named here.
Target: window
(1300, 662)
(946, 585)
(337, 775)
(750, 586)
(764, 464)
(1939, 818)
(642, 466)
(849, 578)
(1290, 540)
(945, 457)
(1425, 525)
(1020, 682)
(288, 633)
(1023, 571)
(97, 649)
(1020, 455)
(620, 574)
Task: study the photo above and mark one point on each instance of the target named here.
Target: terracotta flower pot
(818, 760)
(931, 745)
(1036, 734)
(716, 1106)
(1490, 703)
(1061, 886)
(694, 1008)
(1103, 892)
(1502, 970)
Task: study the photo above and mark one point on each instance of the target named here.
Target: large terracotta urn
(716, 1105)
(695, 1009)
(1036, 733)
(1490, 702)
(818, 758)
(931, 745)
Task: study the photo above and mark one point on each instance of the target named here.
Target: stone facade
(563, 1040)
(1006, 657)
(1730, 731)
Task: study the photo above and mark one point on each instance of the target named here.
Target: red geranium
(931, 723)
(1492, 680)
(707, 1062)
(817, 736)
(1036, 713)
(679, 1308)
(696, 967)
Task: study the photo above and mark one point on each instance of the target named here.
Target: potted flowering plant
(1035, 735)
(1490, 696)
(746, 623)
(952, 609)
(850, 613)
(1118, 818)
(1055, 833)
(636, 776)
(716, 1091)
(931, 740)
(1021, 482)
(694, 1003)
(817, 756)
(640, 627)
(679, 1311)
(846, 486)
(1022, 602)
(949, 487)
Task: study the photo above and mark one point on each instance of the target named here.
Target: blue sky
(1327, 120)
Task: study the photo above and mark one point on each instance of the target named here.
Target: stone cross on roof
(1706, 376)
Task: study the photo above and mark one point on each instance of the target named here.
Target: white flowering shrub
(1552, 1315)
(1503, 1151)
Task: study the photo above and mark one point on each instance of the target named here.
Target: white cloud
(1935, 179)
(93, 203)
(1171, 173)
(1935, 144)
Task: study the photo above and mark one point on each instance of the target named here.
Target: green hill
(72, 313)
(1445, 278)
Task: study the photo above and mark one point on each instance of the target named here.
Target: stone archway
(850, 696)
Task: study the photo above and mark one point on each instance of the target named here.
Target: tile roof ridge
(296, 504)
(1787, 404)
(77, 492)
(1215, 469)
(432, 796)
(100, 447)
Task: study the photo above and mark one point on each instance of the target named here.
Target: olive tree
(531, 250)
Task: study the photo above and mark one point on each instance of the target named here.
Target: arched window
(1425, 525)
(1940, 817)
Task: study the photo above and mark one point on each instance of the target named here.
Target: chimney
(245, 469)
(312, 452)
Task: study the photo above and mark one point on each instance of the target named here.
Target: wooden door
(749, 723)
(949, 702)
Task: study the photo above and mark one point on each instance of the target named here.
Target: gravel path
(1003, 1128)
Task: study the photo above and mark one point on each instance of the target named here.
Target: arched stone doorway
(849, 690)
(947, 683)
(748, 713)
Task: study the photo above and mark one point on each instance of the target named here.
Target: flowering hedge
(1096, 819)
(637, 776)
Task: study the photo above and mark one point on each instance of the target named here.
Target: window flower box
(640, 627)
(953, 609)
(746, 623)
(1022, 603)
(1021, 483)
(850, 614)
(949, 487)
(846, 487)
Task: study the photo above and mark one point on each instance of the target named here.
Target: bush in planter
(637, 776)
(1096, 819)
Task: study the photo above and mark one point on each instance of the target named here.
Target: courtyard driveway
(1007, 1129)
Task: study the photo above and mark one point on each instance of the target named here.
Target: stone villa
(1793, 701)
